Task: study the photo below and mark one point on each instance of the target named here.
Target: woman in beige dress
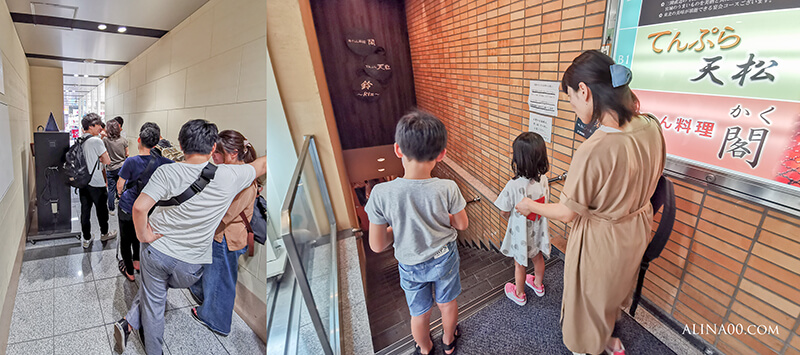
(607, 194)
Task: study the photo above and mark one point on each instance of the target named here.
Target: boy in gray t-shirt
(419, 213)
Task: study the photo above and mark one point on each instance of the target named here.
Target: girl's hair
(113, 129)
(230, 141)
(594, 69)
(530, 156)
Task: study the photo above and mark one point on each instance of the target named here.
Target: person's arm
(555, 211)
(104, 159)
(120, 186)
(141, 207)
(261, 166)
(459, 220)
(381, 237)
(126, 152)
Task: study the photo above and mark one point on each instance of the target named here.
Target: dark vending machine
(53, 202)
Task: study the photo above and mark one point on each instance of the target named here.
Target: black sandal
(452, 346)
(124, 271)
(418, 350)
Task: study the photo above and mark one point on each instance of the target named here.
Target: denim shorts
(437, 275)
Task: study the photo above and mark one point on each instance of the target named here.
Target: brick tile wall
(727, 261)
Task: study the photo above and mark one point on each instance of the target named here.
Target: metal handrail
(331, 343)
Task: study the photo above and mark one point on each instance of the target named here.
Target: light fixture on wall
(381, 160)
(122, 29)
(102, 27)
(381, 169)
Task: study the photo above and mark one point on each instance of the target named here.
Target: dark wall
(360, 123)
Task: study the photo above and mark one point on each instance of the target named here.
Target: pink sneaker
(529, 282)
(618, 352)
(511, 293)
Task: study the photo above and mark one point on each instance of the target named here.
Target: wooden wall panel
(364, 124)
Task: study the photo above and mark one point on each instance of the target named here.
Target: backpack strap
(147, 170)
(250, 234)
(198, 185)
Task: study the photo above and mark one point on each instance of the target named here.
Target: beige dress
(609, 185)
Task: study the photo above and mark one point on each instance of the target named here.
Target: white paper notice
(543, 97)
(542, 125)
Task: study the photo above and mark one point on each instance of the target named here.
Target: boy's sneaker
(112, 213)
(121, 334)
(529, 282)
(108, 236)
(511, 293)
(86, 243)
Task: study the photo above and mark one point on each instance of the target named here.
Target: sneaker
(121, 333)
(86, 243)
(609, 351)
(529, 282)
(108, 236)
(511, 293)
(112, 213)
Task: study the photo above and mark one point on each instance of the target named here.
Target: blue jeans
(160, 272)
(217, 288)
(437, 275)
(111, 178)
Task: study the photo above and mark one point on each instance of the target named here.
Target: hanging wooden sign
(360, 41)
(367, 88)
(377, 66)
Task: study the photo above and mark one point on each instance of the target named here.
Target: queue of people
(606, 196)
(182, 225)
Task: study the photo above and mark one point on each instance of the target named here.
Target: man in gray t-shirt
(94, 151)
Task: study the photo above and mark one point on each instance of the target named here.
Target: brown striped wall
(728, 261)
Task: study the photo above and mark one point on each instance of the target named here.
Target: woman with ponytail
(607, 194)
(215, 292)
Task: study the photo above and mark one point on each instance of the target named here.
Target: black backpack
(259, 220)
(75, 167)
(663, 196)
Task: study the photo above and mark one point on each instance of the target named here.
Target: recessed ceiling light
(101, 27)
(381, 169)
(381, 160)
(75, 75)
(85, 75)
(122, 29)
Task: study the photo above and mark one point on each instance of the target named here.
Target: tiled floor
(68, 300)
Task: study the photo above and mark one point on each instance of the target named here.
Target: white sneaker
(86, 243)
(108, 236)
(112, 213)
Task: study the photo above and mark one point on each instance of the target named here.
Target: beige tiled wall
(212, 66)
(14, 203)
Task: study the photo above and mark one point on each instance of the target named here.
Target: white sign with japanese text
(543, 125)
(543, 97)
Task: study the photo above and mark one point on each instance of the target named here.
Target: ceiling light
(101, 27)
(122, 29)
(75, 75)
(381, 169)
(381, 160)
(85, 75)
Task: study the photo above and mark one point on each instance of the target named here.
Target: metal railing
(313, 257)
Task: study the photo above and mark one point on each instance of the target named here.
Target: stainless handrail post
(334, 290)
(294, 254)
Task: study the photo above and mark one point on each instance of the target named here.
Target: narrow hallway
(68, 299)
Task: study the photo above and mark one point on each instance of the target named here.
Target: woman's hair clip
(620, 75)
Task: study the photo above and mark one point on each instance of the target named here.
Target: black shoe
(121, 334)
(195, 298)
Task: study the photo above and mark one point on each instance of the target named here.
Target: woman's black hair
(594, 69)
(530, 156)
